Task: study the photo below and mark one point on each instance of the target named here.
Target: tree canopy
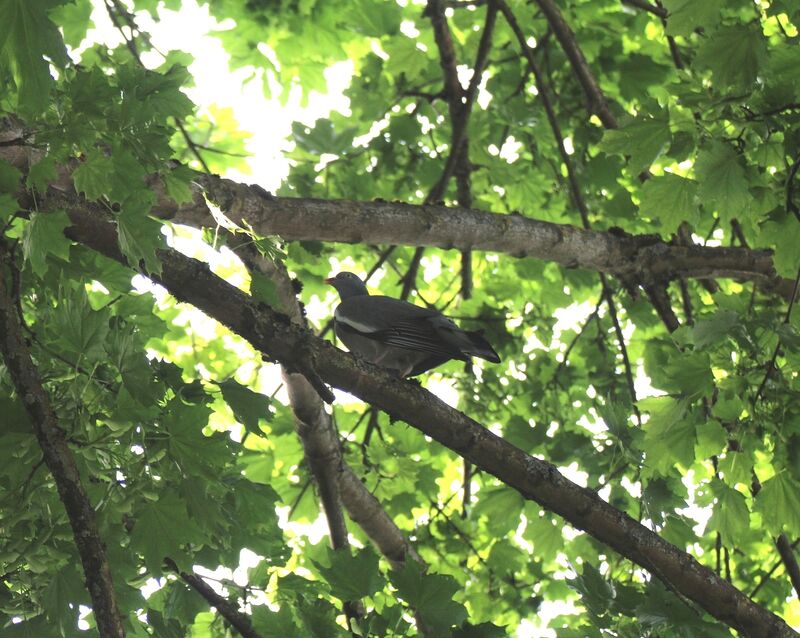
(607, 189)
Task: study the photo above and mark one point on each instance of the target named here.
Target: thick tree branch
(60, 461)
(633, 258)
(275, 335)
(320, 441)
(636, 259)
(320, 444)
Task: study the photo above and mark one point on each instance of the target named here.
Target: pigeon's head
(347, 285)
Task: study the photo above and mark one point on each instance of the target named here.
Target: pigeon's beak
(330, 280)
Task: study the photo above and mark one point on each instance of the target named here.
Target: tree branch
(661, 12)
(789, 561)
(597, 100)
(270, 332)
(636, 259)
(238, 620)
(633, 258)
(320, 441)
(61, 463)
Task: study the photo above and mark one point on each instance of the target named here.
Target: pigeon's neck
(352, 292)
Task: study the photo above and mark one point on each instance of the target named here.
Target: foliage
(182, 454)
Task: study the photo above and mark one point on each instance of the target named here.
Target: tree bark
(275, 335)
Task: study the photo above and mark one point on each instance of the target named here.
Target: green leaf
(789, 336)
(728, 407)
(248, 407)
(643, 139)
(502, 507)
(687, 15)
(670, 198)
(178, 184)
(730, 518)
(27, 35)
(182, 603)
(596, 593)
(351, 577)
(723, 185)
(10, 177)
(42, 173)
(279, 624)
(264, 289)
(139, 239)
(44, 235)
(81, 329)
(430, 594)
(736, 468)
(778, 502)
(405, 56)
(8, 206)
(64, 590)
(734, 55)
(707, 332)
(74, 18)
(669, 434)
(484, 630)
(784, 234)
(161, 531)
(323, 138)
(187, 443)
(93, 177)
(375, 18)
(711, 439)
(544, 533)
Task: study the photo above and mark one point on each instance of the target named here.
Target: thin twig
(237, 619)
(776, 352)
(765, 578)
(597, 100)
(790, 562)
(646, 6)
(460, 102)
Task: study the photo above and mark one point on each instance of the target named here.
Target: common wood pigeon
(397, 335)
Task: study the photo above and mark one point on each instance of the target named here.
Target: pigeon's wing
(396, 323)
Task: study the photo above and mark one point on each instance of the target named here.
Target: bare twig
(765, 578)
(646, 6)
(237, 619)
(597, 100)
(460, 102)
(771, 365)
(789, 560)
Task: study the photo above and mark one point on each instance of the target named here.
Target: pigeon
(398, 335)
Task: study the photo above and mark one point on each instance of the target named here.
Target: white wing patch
(355, 325)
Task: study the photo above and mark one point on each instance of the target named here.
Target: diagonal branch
(239, 621)
(337, 482)
(61, 463)
(597, 100)
(656, 10)
(268, 331)
(790, 562)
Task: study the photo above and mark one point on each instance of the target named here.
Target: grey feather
(398, 335)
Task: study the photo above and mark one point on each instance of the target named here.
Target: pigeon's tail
(479, 347)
